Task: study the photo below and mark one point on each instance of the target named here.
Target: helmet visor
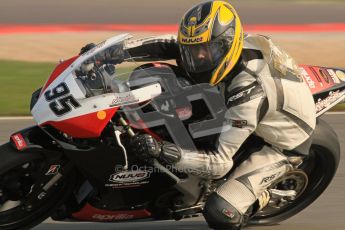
(204, 57)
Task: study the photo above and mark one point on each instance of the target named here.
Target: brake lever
(118, 139)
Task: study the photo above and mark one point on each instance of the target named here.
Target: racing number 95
(61, 101)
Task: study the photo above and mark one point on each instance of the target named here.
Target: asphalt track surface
(165, 11)
(326, 213)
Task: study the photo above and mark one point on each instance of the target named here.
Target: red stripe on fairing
(58, 70)
(319, 80)
(90, 213)
(84, 126)
(57, 28)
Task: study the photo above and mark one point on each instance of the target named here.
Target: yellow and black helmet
(211, 40)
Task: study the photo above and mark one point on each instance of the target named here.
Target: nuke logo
(129, 176)
(192, 40)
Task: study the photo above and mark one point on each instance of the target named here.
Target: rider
(265, 96)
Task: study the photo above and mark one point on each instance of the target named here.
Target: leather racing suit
(265, 96)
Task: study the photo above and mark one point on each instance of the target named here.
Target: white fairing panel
(42, 111)
(94, 104)
(73, 93)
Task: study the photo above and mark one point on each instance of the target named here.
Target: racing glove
(87, 48)
(148, 148)
(145, 147)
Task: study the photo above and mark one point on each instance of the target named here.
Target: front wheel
(314, 176)
(17, 183)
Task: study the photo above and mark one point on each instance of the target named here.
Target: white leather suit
(267, 98)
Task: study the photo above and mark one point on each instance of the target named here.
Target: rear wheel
(314, 176)
(18, 208)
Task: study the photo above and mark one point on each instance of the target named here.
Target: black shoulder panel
(251, 54)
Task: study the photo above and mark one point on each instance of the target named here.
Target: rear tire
(16, 183)
(320, 166)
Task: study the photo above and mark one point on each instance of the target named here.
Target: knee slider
(220, 214)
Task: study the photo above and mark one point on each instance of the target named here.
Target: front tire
(16, 184)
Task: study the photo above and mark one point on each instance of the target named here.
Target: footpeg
(276, 194)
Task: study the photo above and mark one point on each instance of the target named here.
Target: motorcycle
(77, 164)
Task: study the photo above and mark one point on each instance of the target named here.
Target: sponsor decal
(90, 213)
(333, 76)
(41, 195)
(269, 178)
(110, 217)
(316, 75)
(322, 75)
(324, 103)
(129, 178)
(127, 98)
(325, 75)
(228, 213)
(308, 79)
(340, 75)
(248, 93)
(241, 94)
(53, 170)
(19, 141)
(239, 123)
(192, 40)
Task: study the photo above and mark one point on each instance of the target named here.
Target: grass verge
(18, 80)
(339, 107)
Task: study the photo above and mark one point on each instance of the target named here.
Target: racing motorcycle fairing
(59, 69)
(326, 84)
(83, 93)
(322, 78)
(34, 138)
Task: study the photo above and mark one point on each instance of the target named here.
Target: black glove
(145, 147)
(87, 48)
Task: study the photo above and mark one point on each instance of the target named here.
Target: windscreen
(114, 70)
(105, 72)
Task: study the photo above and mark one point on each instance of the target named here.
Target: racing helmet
(211, 40)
